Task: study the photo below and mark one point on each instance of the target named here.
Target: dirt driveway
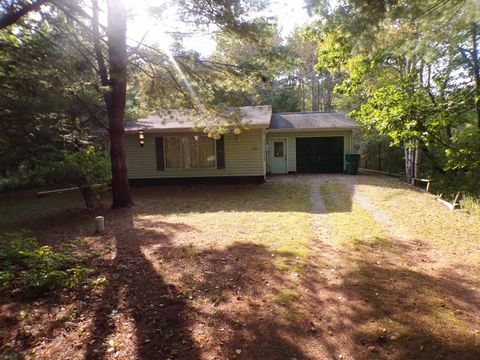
(302, 267)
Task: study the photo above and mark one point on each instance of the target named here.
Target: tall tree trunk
(314, 79)
(476, 70)
(416, 167)
(315, 101)
(328, 84)
(116, 99)
(412, 161)
(304, 107)
(409, 167)
(88, 196)
(380, 145)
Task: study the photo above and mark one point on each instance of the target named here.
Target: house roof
(254, 116)
(312, 120)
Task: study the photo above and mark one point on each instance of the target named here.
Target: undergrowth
(27, 268)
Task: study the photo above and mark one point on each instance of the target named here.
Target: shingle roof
(312, 120)
(257, 116)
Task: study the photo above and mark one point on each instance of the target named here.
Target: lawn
(223, 272)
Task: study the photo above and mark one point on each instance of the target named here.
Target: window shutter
(159, 153)
(220, 144)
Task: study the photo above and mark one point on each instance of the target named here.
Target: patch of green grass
(217, 297)
(24, 207)
(287, 297)
(276, 217)
(419, 216)
(353, 225)
(471, 204)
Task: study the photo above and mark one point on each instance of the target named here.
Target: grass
(419, 216)
(471, 204)
(203, 271)
(273, 216)
(351, 223)
(405, 300)
(21, 207)
(288, 297)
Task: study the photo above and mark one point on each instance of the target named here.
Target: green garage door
(320, 155)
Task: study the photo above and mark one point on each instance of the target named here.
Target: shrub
(11, 184)
(84, 169)
(29, 268)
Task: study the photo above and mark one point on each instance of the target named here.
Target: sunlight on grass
(287, 297)
(352, 224)
(275, 216)
(419, 216)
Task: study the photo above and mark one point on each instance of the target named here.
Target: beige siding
(244, 156)
(291, 142)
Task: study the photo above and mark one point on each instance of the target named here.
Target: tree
(404, 78)
(316, 85)
(471, 57)
(44, 93)
(113, 78)
(112, 68)
(84, 169)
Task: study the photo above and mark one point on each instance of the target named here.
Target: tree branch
(464, 52)
(11, 18)
(102, 69)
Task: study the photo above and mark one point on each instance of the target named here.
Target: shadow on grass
(209, 289)
(157, 308)
(192, 302)
(405, 313)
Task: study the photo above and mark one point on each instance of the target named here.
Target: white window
(189, 152)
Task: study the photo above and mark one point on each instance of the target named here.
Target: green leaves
(28, 268)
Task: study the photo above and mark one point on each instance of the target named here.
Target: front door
(278, 157)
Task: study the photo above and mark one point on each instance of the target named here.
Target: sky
(143, 26)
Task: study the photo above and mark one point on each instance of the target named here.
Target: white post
(100, 224)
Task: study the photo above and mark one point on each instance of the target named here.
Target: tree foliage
(408, 72)
(44, 85)
(92, 73)
(84, 169)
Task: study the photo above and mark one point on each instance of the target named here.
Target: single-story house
(172, 147)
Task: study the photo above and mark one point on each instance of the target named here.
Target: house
(173, 148)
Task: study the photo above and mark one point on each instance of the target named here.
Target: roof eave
(343, 128)
(188, 129)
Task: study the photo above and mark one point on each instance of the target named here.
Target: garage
(320, 154)
(312, 142)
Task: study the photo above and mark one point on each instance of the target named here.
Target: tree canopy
(407, 71)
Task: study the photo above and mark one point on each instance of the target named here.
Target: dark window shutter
(159, 153)
(220, 144)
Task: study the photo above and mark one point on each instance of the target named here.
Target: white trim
(264, 152)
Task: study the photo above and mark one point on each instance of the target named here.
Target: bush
(27, 267)
(11, 184)
(83, 169)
